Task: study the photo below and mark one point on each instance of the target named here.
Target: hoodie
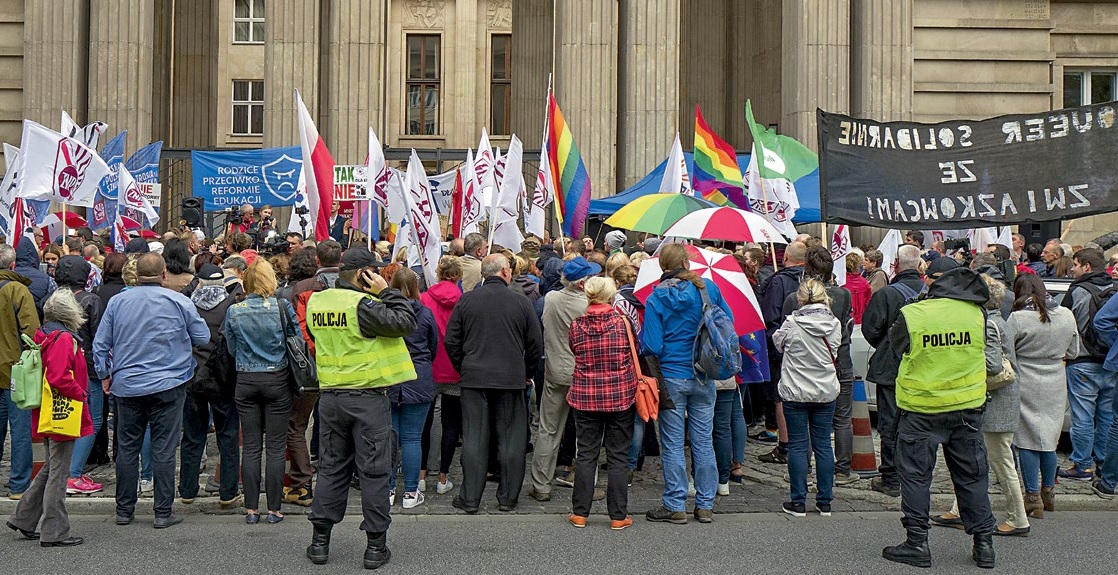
(21, 319)
(604, 376)
(211, 301)
(441, 299)
(71, 274)
(27, 265)
(672, 314)
(809, 340)
(1078, 300)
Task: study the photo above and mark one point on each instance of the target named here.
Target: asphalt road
(751, 543)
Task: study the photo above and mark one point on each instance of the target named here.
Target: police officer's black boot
(319, 549)
(377, 553)
(983, 553)
(914, 551)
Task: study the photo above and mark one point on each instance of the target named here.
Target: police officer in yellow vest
(941, 394)
(357, 328)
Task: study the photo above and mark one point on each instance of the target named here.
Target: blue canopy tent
(807, 190)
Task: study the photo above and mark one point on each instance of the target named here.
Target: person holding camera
(358, 328)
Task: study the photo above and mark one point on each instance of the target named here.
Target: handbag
(59, 415)
(1004, 377)
(27, 376)
(648, 390)
(302, 372)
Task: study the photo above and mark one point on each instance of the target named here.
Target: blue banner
(229, 179)
(104, 203)
(144, 167)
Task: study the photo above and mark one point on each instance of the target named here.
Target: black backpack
(1092, 343)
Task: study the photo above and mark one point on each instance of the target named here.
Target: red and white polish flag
(318, 169)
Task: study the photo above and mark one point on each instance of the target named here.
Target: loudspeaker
(192, 212)
(1039, 233)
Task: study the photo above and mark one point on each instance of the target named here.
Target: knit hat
(651, 244)
(615, 239)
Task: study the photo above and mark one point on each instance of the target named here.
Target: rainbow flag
(717, 174)
(568, 172)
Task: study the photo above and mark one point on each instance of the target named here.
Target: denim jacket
(254, 335)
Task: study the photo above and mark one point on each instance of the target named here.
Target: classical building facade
(627, 73)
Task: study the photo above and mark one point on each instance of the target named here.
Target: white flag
(489, 195)
(1005, 237)
(471, 198)
(982, 238)
(542, 196)
(88, 135)
(505, 210)
(58, 168)
(777, 202)
(483, 166)
(840, 246)
(888, 248)
(423, 219)
(376, 174)
(130, 196)
(676, 180)
(8, 192)
(442, 189)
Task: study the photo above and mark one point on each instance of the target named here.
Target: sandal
(736, 474)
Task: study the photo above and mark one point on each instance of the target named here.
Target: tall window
(423, 80)
(500, 85)
(1084, 87)
(248, 107)
(248, 21)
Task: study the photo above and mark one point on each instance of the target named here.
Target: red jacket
(604, 377)
(65, 371)
(441, 299)
(860, 293)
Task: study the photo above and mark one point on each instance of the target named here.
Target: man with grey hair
(494, 342)
(560, 308)
(17, 316)
(474, 244)
(881, 313)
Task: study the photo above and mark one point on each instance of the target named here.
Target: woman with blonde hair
(809, 386)
(64, 370)
(602, 394)
(615, 261)
(255, 330)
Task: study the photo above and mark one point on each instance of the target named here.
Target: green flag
(785, 158)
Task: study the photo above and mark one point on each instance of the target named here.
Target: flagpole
(63, 224)
(765, 199)
(551, 168)
(369, 223)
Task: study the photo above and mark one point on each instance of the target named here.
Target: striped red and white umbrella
(726, 223)
(725, 272)
(130, 224)
(52, 224)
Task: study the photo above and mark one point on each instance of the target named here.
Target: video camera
(273, 245)
(957, 244)
(233, 216)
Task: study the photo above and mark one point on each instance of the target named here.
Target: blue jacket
(671, 322)
(145, 339)
(254, 334)
(27, 265)
(1106, 326)
(422, 345)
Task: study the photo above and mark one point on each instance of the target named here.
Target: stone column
(121, 44)
(649, 56)
(56, 60)
(533, 24)
(354, 85)
(815, 35)
(291, 61)
(194, 108)
(586, 84)
(881, 59)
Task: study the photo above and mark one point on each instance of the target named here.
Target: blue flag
(104, 203)
(144, 167)
(754, 358)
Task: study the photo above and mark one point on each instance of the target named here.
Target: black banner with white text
(1005, 170)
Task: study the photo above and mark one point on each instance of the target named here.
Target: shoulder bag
(301, 370)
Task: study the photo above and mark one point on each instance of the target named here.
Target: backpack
(716, 352)
(1092, 343)
(27, 376)
(910, 295)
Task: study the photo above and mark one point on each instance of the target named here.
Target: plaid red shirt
(604, 377)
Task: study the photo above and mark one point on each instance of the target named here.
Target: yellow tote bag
(59, 415)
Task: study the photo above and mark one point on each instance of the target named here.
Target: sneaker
(1074, 472)
(443, 488)
(691, 489)
(599, 494)
(212, 485)
(146, 486)
(412, 499)
(704, 515)
(847, 478)
(794, 509)
(630, 484)
(824, 509)
(565, 478)
(538, 495)
(301, 496)
(810, 478)
(230, 503)
(774, 456)
(83, 485)
(576, 520)
(1101, 490)
(618, 525)
(423, 485)
(663, 515)
(391, 498)
(724, 489)
(878, 484)
(765, 436)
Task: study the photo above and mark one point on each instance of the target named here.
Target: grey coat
(1004, 406)
(1041, 349)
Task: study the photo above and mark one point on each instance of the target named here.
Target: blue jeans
(1037, 464)
(693, 399)
(83, 445)
(729, 432)
(20, 423)
(407, 421)
(816, 420)
(638, 442)
(1091, 396)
